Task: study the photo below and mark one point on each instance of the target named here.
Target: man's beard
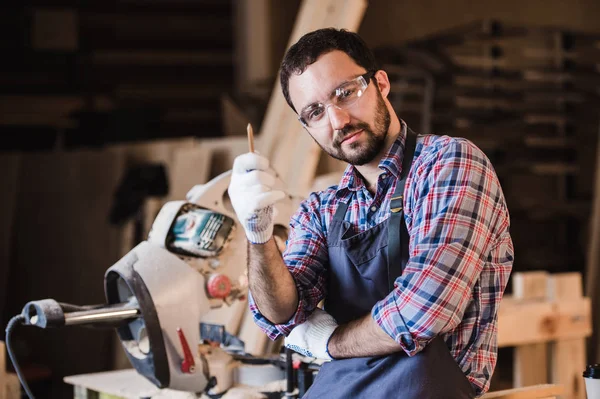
(363, 152)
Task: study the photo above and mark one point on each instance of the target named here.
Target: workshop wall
(389, 22)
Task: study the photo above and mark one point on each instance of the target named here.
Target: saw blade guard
(171, 302)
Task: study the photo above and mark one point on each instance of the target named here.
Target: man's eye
(314, 114)
(343, 94)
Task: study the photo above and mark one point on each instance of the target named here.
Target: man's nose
(337, 116)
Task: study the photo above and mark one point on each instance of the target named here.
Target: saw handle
(187, 364)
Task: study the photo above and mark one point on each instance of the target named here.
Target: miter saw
(159, 295)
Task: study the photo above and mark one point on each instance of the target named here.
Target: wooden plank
(530, 365)
(530, 285)
(252, 44)
(567, 363)
(532, 392)
(530, 361)
(565, 286)
(234, 120)
(298, 148)
(12, 386)
(224, 151)
(190, 166)
(567, 357)
(2, 371)
(528, 322)
(124, 384)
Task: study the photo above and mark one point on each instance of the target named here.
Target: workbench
(128, 384)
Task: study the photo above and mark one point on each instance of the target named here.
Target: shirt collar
(391, 163)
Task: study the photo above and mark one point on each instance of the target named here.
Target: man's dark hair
(314, 44)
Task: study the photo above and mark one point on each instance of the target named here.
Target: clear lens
(344, 97)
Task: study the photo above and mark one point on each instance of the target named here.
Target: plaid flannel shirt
(461, 252)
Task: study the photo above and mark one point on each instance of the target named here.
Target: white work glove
(252, 195)
(311, 337)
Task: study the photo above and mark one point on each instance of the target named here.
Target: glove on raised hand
(311, 337)
(252, 195)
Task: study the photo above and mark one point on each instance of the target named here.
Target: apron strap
(340, 212)
(398, 237)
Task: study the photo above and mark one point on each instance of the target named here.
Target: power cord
(20, 319)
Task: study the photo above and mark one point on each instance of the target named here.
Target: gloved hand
(252, 196)
(311, 337)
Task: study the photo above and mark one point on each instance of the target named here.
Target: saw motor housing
(193, 262)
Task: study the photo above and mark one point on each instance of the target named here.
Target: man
(411, 252)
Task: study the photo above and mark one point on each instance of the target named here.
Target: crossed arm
(456, 222)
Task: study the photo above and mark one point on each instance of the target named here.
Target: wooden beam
(296, 157)
(252, 44)
(567, 357)
(546, 391)
(530, 363)
(527, 322)
(2, 370)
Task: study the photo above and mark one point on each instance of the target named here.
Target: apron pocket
(363, 247)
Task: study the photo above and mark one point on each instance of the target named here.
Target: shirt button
(373, 208)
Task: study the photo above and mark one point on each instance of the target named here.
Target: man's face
(355, 135)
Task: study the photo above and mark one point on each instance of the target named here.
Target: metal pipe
(106, 314)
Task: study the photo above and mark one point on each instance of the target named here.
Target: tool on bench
(159, 294)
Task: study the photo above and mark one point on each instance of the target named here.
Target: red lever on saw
(187, 364)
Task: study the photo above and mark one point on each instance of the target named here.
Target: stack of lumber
(90, 73)
(528, 97)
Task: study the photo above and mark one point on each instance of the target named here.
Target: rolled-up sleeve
(458, 213)
(306, 258)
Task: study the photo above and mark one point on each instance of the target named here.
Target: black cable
(289, 372)
(9, 327)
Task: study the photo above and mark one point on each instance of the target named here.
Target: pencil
(250, 138)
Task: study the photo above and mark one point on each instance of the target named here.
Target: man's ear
(383, 82)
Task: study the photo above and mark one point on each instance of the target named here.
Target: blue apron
(361, 274)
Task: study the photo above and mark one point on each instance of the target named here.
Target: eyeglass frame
(366, 77)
